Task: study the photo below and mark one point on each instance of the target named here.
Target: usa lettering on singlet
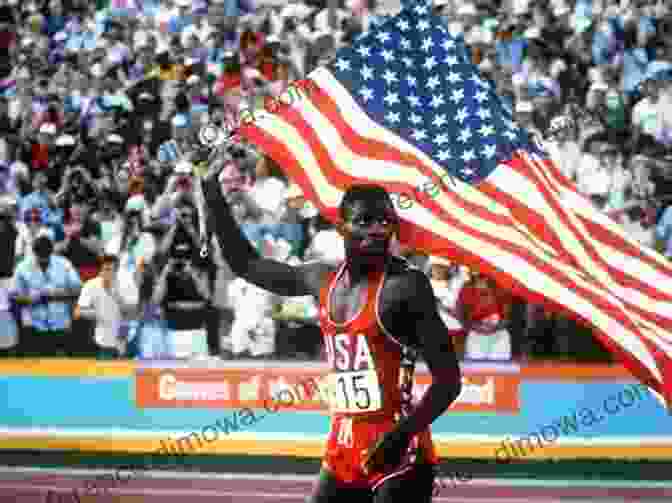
(353, 382)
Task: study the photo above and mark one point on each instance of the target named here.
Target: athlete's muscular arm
(409, 313)
(436, 347)
(246, 262)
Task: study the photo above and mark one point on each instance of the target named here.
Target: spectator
(46, 285)
(483, 310)
(183, 291)
(8, 234)
(102, 302)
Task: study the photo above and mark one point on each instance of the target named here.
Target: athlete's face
(368, 227)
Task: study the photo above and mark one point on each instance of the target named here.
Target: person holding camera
(8, 235)
(184, 292)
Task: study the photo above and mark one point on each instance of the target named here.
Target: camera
(181, 254)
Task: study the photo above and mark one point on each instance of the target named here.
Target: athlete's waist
(380, 416)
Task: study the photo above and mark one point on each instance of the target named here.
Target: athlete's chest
(375, 296)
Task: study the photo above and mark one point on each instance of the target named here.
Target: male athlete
(377, 313)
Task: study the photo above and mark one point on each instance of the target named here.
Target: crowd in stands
(101, 104)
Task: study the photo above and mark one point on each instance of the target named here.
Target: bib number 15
(355, 391)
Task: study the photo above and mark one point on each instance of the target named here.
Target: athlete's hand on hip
(387, 453)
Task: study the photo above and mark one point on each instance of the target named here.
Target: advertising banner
(299, 390)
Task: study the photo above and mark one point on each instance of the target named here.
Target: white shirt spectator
(253, 329)
(107, 312)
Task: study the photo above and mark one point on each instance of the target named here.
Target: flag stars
(465, 134)
(389, 76)
(419, 134)
(468, 155)
(423, 25)
(457, 95)
(484, 113)
(444, 155)
(405, 44)
(366, 93)
(437, 100)
(462, 114)
(393, 117)
(510, 135)
(489, 151)
(430, 63)
(427, 44)
(403, 25)
(453, 77)
(448, 44)
(383, 37)
(367, 72)
(433, 81)
(420, 9)
(481, 96)
(439, 120)
(451, 60)
(414, 100)
(441, 139)
(412, 81)
(415, 118)
(391, 98)
(343, 64)
(407, 61)
(387, 55)
(364, 51)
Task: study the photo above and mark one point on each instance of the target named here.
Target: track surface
(56, 486)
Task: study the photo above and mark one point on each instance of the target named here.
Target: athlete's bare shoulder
(315, 273)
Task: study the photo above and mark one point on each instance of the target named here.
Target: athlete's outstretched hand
(388, 452)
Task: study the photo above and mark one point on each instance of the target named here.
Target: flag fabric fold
(405, 107)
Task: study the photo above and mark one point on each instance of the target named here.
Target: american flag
(403, 106)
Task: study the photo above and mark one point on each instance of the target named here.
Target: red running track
(49, 487)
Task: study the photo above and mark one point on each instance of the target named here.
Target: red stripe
(617, 275)
(606, 236)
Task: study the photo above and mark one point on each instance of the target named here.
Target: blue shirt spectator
(31, 280)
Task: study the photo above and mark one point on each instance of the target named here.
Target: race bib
(354, 392)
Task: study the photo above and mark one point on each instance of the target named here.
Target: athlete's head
(368, 222)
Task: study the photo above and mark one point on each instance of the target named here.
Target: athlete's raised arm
(244, 260)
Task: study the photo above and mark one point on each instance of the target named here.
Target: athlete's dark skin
(407, 305)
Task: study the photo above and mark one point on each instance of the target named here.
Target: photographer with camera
(180, 246)
(8, 235)
(184, 292)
